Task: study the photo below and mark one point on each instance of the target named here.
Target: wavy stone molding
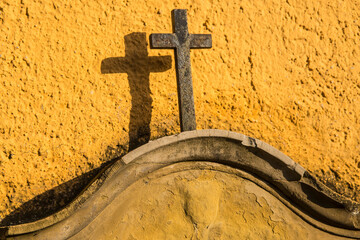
(274, 195)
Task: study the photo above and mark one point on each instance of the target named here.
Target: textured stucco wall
(285, 72)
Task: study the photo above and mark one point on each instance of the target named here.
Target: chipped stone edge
(245, 140)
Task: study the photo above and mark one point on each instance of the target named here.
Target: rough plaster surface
(285, 72)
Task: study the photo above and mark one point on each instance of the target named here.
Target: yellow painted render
(285, 72)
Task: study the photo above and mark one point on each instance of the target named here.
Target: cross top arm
(181, 36)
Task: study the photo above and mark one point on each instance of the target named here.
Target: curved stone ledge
(260, 163)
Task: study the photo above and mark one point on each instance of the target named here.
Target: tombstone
(200, 184)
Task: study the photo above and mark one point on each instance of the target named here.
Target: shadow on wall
(138, 65)
(52, 200)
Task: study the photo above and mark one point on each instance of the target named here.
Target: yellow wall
(285, 72)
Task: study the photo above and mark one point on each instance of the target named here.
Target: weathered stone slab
(268, 190)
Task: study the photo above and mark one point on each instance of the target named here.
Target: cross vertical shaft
(183, 72)
(181, 41)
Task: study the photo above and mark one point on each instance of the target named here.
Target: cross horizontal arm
(200, 41)
(163, 40)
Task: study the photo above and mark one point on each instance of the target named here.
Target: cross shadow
(138, 65)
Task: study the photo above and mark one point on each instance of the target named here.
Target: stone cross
(182, 41)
